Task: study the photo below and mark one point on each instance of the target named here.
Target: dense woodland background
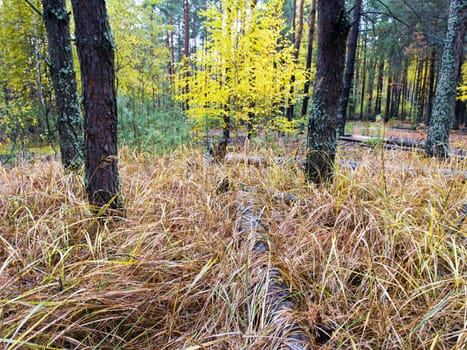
(209, 234)
(186, 66)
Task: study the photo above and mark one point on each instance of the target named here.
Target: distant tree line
(244, 66)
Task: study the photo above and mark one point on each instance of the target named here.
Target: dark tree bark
(404, 92)
(309, 56)
(379, 87)
(333, 28)
(96, 57)
(69, 120)
(186, 46)
(363, 78)
(349, 67)
(423, 93)
(371, 83)
(443, 109)
(297, 39)
(387, 110)
(416, 86)
(170, 38)
(431, 87)
(458, 61)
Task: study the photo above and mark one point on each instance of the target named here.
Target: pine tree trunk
(431, 87)
(423, 95)
(404, 92)
(297, 41)
(458, 61)
(371, 86)
(362, 95)
(69, 120)
(387, 110)
(96, 57)
(416, 91)
(349, 68)
(379, 88)
(186, 47)
(321, 138)
(309, 56)
(170, 38)
(443, 109)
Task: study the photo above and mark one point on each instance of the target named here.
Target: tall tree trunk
(96, 57)
(293, 21)
(422, 93)
(387, 110)
(379, 88)
(69, 119)
(309, 56)
(431, 87)
(437, 143)
(297, 41)
(170, 36)
(327, 89)
(458, 61)
(404, 92)
(186, 46)
(371, 86)
(416, 91)
(40, 90)
(396, 94)
(362, 95)
(349, 67)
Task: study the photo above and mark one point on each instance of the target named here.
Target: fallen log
(403, 127)
(262, 161)
(269, 282)
(398, 143)
(405, 142)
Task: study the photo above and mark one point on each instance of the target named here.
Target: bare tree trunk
(404, 92)
(96, 57)
(431, 86)
(309, 55)
(186, 46)
(371, 86)
(69, 120)
(297, 41)
(458, 61)
(417, 86)
(379, 87)
(387, 110)
(349, 68)
(327, 89)
(443, 109)
(170, 36)
(362, 95)
(422, 92)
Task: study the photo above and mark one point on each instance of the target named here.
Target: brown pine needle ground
(377, 257)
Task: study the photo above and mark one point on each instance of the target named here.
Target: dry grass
(376, 256)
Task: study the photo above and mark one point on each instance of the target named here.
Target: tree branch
(35, 9)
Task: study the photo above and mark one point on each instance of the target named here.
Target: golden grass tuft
(377, 256)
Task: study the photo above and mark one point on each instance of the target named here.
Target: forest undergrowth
(378, 258)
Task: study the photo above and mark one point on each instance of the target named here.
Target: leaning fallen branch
(268, 281)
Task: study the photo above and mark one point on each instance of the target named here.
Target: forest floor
(458, 138)
(233, 255)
